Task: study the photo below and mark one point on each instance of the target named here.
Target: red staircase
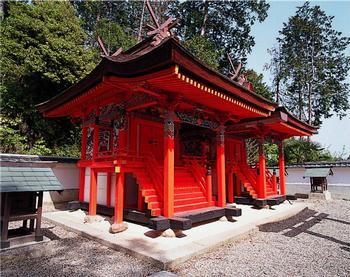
(150, 191)
(249, 178)
(189, 186)
(189, 194)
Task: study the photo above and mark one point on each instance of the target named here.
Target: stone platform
(167, 252)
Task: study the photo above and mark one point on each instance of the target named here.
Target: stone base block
(169, 233)
(118, 227)
(93, 218)
(326, 195)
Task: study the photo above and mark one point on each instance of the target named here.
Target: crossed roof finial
(234, 74)
(104, 50)
(161, 31)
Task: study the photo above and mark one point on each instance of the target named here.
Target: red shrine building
(164, 135)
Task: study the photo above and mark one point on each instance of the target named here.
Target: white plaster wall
(341, 176)
(338, 184)
(67, 175)
(101, 187)
(87, 185)
(295, 176)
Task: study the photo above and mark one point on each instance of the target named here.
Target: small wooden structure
(318, 178)
(21, 200)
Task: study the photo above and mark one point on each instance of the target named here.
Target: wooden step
(156, 212)
(154, 205)
(190, 207)
(187, 189)
(181, 202)
(187, 195)
(149, 192)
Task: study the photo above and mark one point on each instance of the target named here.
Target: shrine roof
(281, 124)
(144, 59)
(318, 172)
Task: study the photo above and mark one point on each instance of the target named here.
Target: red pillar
(209, 186)
(140, 203)
(230, 187)
(109, 189)
(168, 167)
(282, 177)
(93, 192)
(262, 171)
(119, 198)
(95, 142)
(237, 186)
(220, 167)
(82, 170)
(82, 184)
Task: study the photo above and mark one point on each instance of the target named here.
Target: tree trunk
(205, 18)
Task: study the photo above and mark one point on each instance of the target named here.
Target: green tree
(42, 54)
(226, 24)
(116, 22)
(204, 50)
(310, 66)
(303, 150)
(260, 87)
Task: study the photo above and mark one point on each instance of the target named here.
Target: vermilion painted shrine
(163, 134)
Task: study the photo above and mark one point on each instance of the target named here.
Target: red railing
(199, 172)
(155, 172)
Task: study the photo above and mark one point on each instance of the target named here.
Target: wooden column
(93, 192)
(262, 170)
(109, 189)
(169, 167)
(220, 166)
(119, 198)
(282, 178)
(82, 184)
(38, 234)
(6, 206)
(238, 188)
(209, 186)
(82, 169)
(230, 187)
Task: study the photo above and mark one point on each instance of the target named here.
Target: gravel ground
(316, 242)
(71, 255)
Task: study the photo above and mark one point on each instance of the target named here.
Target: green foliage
(116, 22)
(204, 50)
(42, 54)
(271, 152)
(302, 150)
(226, 24)
(310, 65)
(260, 87)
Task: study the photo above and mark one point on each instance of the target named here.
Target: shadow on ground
(301, 223)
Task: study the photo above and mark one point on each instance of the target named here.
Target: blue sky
(334, 133)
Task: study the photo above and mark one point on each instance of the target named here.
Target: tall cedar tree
(226, 24)
(310, 67)
(42, 54)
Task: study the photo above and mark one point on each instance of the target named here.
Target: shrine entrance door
(150, 139)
